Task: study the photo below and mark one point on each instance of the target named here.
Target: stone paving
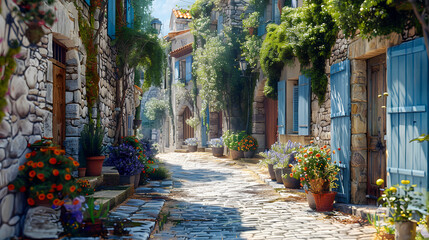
(214, 198)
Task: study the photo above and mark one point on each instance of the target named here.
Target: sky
(162, 9)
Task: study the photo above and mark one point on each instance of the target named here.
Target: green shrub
(159, 173)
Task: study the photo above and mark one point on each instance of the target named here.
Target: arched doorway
(188, 131)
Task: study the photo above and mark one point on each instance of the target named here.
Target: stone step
(110, 176)
(250, 160)
(112, 196)
(181, 150)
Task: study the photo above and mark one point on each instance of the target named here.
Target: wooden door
(188, 131)
(376, 125)
(59, 104)
(341, 126)
(407, 113)
(270, 107)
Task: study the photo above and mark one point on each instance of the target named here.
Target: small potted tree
(91, 147)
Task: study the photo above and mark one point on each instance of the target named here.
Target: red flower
(55, 172)
(72, 188)
(57, 152)
(28, 155)
(59, 187)
(11, 187)
(57, 202)
(75, 163)
(29, 163)
(41, 176)
(33, 153)
(22, 167)
(30, 201)
(32, 173)
(42, 197)
(40, 164)
(22, 189)
(318, 155)
(67, 177)
(135, 140)
(49, 196)
(339, 149)
(52, 161)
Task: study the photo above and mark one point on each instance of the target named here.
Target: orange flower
(30, 201)
(305, 168)
(32, 173)
(67, 177)
(310, 152)
(42, 197)
(49, 196)
(311, 142)
(57, 152)
(72, 188)
(75, 163)
(52, 161)
(22, 167)
(291, 175)
(29, 163)
(290, 165)
(299, 160)
(325, 146)
(43, 150)
(34, 165)
(329, 159)
(71, 158)
(67, 169)
(57, 202)
(75, 202)
(40, 164)
(59, 187)
(55, 172)
(11, 187)
(305, 155)
(41, 176)
(333, 152)
(28, 155)
(135, 140)
(22, 189)
(318, 155)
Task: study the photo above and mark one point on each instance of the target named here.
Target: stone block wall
(30, 101)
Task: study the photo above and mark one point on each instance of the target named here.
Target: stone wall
(30, 101)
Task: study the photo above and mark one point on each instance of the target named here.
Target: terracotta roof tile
(182, 51)
(182, 14)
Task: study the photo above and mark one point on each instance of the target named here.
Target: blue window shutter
(276, 12)
(111, 18)
(176, 70)
(188, 68)
(341, 126)
(407, 113)
(304, 99)
(220, 24)
(262, 25)
(281, 106)
(130, 14)
(88, 2)
(295, 108)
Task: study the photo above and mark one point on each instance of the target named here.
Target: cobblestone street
(214, 198)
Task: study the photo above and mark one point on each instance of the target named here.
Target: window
(182, 71)
(292, 106)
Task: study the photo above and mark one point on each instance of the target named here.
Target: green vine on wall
(7, 68)
(307, 33)
(86, 29)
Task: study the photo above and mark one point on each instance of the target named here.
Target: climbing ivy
(7, 68)
(307, 33)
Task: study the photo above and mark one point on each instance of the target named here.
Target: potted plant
(231, 141)
(141, 153)
(383, 231)
(93, 213)
(251, 22)
(315, 169)
(270, 160)
(248, 145)
(91, 147)
(402, 202)
(192, 144)
(35, 14)
(217, 146)
(125, 159)
(46, 178)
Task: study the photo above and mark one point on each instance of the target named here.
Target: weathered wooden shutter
(176, 70)
(130, 13)
(341, 126)
(295, 108)
(220, 24)
(407, 113)
(304, 98)
(111, 18)
(281, 86)
(88, 2)
(188, 68)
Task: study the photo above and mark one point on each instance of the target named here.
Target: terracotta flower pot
(192, 148)
(278, 172)
(288, 181)
(249, 154)
(271, 171)
(385, 236)
(324, 201)
(405, 230)
(94, 165)
(81, 172)
(34, 32)
(311, 201)
(235, 155)
(217, 151)
(93, 229)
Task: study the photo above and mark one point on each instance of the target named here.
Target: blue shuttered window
(281, 96)
(220, 24)
(407, 113)
(129, 13)
(188, 68)
(341, 126)
(295, 108)
(176, 70)
(304, 98)
(111, 18)
(276, 12)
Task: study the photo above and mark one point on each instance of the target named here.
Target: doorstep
(352, 209)
(112, 196)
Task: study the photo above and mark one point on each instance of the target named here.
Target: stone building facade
(31, 114)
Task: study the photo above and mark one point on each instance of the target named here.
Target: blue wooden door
(281, 96)
(111, 18)
(407, 113)
(340, 126)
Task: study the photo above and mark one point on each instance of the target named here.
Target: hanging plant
(7, 68)
(35, 14)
